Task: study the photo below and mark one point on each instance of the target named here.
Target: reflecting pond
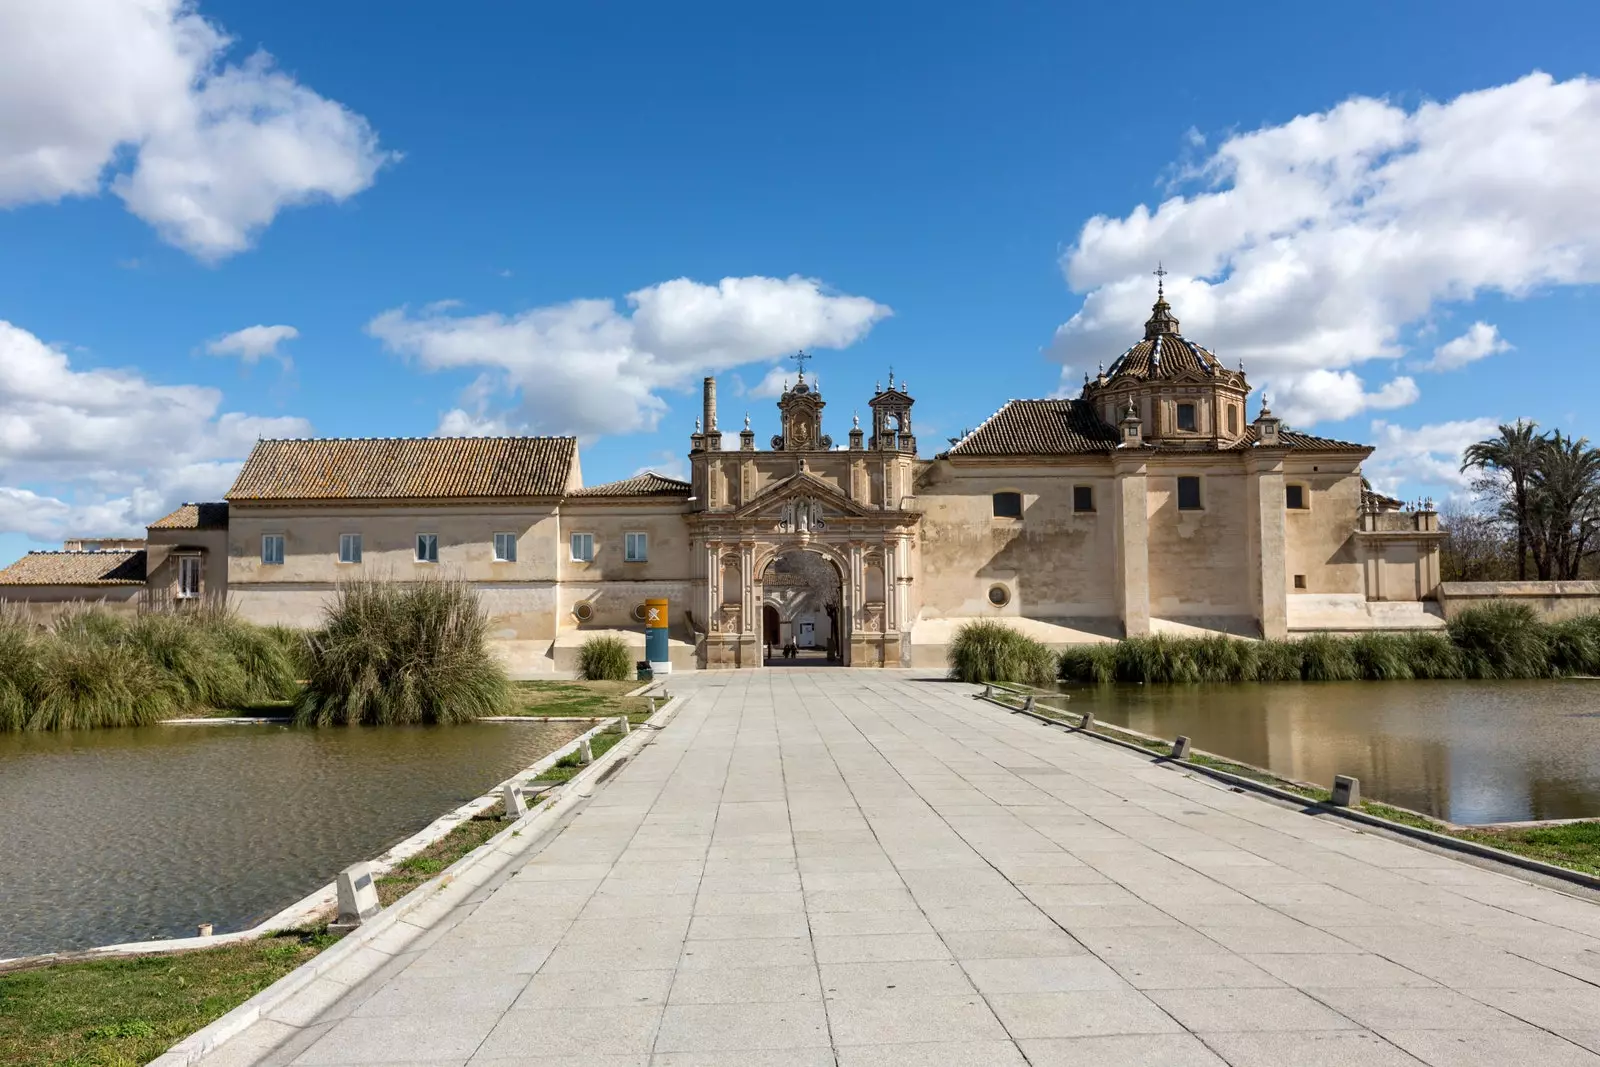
(127, 834)
(1470, 752)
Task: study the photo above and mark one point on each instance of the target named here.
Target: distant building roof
(76, 568)
(405, 468)
(1068, 426)
(647, 484)
(194, 517)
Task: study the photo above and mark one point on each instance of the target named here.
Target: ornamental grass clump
(1575, 645)
(990, 651)
(1501, 641)
(191, 659)
(83, 684)
(605, 658)
(392, 653)
(1381, 657)
(1280, 661)
(19, 670)
(1095, 664)
(1326, 658)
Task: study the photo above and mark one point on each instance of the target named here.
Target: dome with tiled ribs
(1164, 352)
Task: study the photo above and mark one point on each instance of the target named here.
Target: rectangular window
(1189, 493)
(349, 548)
(1008, 505)
(1299, 581)
(1295, 497)
(188, 576)
(1082, 498)
(1186, 419)
(427, 548)
(1233, 419)
(505, 548)
(583, 548)
(272, 549)
(636, 547)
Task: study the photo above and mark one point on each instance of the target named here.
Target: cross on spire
(1160, 278)
(800, 358)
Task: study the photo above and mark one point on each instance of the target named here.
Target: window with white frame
(349, 548)
(427, 548)
(505, 548)
(636, 547)
(272, 549)
(582, 547)
(188, 576)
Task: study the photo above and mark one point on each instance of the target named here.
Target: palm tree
(1513, 457)
(1564, 505)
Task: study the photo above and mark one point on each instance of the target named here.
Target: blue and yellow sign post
(655, 636)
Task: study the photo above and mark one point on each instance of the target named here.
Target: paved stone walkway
(812, 868)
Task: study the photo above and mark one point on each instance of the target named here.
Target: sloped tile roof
(1039, 427)
(405, 468)
(647, 484)
(76, 568)
(1165, 355)
(194, 517)
(1305, 442)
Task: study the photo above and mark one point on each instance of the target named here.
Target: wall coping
(1518, 589)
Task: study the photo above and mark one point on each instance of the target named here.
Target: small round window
(639, 612)
(999, 596)
(584, 611)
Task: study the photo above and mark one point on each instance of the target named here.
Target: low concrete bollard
(988, 692)
(358, 898)
(516, 804)
(1027, 705)
(622, 725)
(585, 753)
(203, 930)
(1088, 721)
(652, 705)
(1346, 791)
(1180, 748)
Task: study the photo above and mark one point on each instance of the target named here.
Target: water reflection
(118, 835)
(1470, 752)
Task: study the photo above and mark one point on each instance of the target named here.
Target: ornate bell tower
(891, 419)
(801, 411)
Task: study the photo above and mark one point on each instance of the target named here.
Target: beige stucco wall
(161, 568)
(1198, 559)
(1553, 601)
(1320, 540)
(44, 603)
(388, 542)
(1055, 563)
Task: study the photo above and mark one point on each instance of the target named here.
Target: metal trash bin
(645, 673)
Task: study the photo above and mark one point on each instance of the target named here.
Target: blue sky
(1389, 214)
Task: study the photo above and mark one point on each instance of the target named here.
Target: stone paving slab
(828, 868)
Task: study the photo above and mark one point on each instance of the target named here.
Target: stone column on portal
(1130, 489)
(1271, 542)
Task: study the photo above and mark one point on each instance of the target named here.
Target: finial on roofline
(1160, 278)
(747, 420)
(697, 425)
(800, 358)
(891, 377)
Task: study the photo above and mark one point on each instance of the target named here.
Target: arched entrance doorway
(803, 609)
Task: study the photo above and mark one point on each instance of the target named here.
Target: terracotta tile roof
(76, 568)
(647, 484)
(1305, 442)
(1039, 427)
(406, 468)
(1165, 355)
(194, 517)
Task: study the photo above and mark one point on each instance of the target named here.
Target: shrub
(402, 653)
(1326, 658)
(265, 659)
(1220, 658)
(990, 651)
(189, 656)
(605, 659)
(1432, 655)
(1280, 661)
(1095, 663)
(97, 683)
(1575, 645)
(296, 645)
(19, 670)
(1501, 641)
(1381, 657)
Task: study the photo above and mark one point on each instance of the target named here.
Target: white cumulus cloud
(253, 343)
(1481, 339)
(1313, 245)
(140, 92)
(589, 367)
(103, 451)
(1424, 458)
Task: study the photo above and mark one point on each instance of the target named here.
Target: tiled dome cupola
(1181, 392)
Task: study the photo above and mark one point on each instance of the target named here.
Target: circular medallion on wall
(583, 611)
(639, 612)
(999, 596)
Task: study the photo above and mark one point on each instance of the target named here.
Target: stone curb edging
(1416, 833)
(318, 900)
(526, 831)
